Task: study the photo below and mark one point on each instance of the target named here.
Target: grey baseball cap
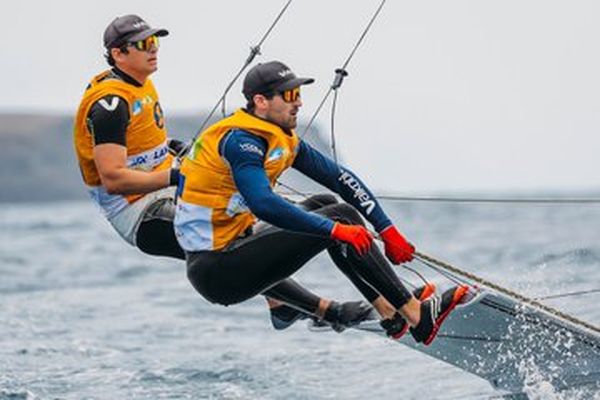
(129, 28)
(269, 77)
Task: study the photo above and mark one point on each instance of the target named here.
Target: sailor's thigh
(317, 201)
(259, 262)
(254, 264)
(341, 212)
(155, 234)
(157, 237)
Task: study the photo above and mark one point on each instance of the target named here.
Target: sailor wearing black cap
(227, 186)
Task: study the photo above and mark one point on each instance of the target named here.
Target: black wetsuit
(253, 264)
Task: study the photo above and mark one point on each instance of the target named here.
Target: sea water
(85, 316)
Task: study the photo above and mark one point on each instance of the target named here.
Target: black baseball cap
(270, 77)
(129, 28)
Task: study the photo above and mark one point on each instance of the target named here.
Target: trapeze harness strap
(211, 213)
(146, 135)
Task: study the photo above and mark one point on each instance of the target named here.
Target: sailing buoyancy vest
(146, 136)
(211, 213)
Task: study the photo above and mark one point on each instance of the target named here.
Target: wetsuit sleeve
(342, 181)
(245, 154)
(108, 119)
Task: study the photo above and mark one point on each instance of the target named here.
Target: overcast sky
(442, 95)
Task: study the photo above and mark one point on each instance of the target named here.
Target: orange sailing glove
(397, 249)
(356, 235)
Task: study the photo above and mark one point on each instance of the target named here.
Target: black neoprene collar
(126, 77)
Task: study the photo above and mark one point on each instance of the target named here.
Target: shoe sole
(460, 292)
(428, 290)
(280, 324)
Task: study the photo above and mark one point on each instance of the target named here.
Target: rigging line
(491, 200)
(569, 294)
(254, 51)
(451, 277)
(292, 190)
(508, 292)
(515, 200)
(340, 73)
(420, 275)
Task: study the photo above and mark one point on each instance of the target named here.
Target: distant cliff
(38, 162)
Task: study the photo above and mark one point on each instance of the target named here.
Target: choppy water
(84, 316)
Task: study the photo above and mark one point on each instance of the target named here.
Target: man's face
(281, 112)
(140, 58)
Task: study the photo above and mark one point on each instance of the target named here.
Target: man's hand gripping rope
(397, 249)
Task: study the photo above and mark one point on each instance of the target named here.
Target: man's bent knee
(318, 201)
(343, 213)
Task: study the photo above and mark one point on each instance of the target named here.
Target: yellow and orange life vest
(146, 135)
(211, 213)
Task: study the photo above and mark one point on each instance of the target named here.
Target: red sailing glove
(397, 249)
(356, 235)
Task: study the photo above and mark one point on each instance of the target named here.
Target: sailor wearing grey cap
(121, 139)
(132, 32)
(129, 28)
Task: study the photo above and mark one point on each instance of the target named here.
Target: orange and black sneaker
(397, 326)
(434, 311)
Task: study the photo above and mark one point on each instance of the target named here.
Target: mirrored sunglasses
(291, 95)
(146, 44)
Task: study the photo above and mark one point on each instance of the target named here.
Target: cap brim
(293, 83)
(147, 33)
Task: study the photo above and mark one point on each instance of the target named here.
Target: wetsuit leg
(295, 295)
(256, 263)
(289, 291)
(155, 236)
(319, 201)
(371, 274)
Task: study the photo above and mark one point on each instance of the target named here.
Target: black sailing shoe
(434, 311)
(397, 326)
(345, 315)
(284, 316)
(340, 316)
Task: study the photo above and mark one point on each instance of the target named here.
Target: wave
(581, 256)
